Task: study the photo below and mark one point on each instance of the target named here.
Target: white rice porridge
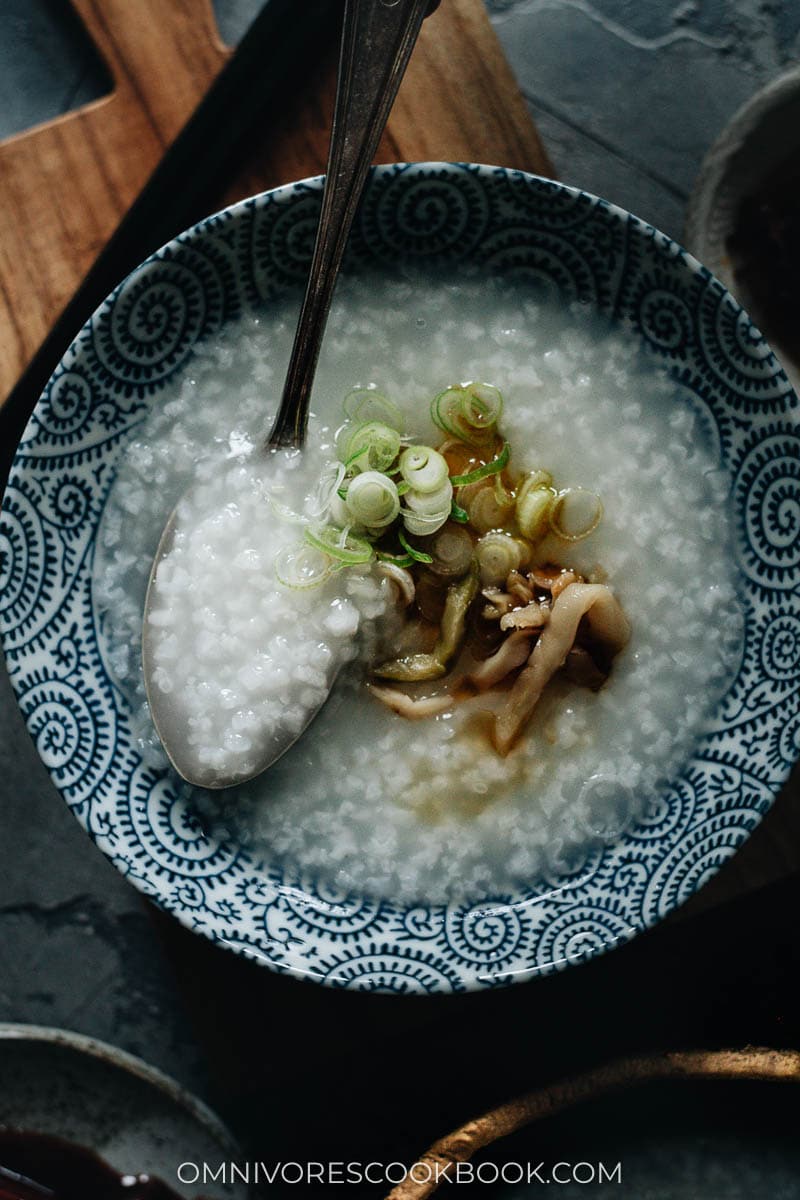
(366, 799)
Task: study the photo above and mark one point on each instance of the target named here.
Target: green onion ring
(303, 566)
(423, 468)
(397, 560)
(416, 555)
(575, 513)
(372, 499)
(378, 441)
(490, 468)
(351, 553)
(368, 404)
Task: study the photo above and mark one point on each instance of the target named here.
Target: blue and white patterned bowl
(531, 229)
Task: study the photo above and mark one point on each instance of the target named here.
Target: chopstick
(277, 46)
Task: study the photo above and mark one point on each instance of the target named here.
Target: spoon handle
(377, 40)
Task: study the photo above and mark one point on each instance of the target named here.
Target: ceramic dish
(715, 1123)
(533, 230)
(764, 133)
(139, 1121)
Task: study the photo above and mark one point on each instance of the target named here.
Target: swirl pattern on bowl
(557, 239)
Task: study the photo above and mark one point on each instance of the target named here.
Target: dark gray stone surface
(628, 96)
(78, 949)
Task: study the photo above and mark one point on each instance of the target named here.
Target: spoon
(378, 37)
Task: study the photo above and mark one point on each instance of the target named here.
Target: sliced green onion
(452, 551)
(458, 514)
(330, 480)
(341, 438)
(504, 497)
(490, 468)
(486, 512)
(372, 499)
(423, 469)
(431, 504)
(486, 404)
(422, 526)
(444, 409)
(303, 566)
(338, 511)
(537, 479)
(575, 513)
(534, 500)
(360, 459)
(343, 547)
(368, 404)
(375, 440)
(417, 555)
(469, 411)
(283, 510)
(397, 560)
(498, 554)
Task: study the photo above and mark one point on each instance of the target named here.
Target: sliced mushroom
(580, 668)
(454, 619)
(545, 575)
(499, 603)
(412, 668)
(518, 586)
(415, 667)
(514, 651)
(531, 616)
(406, 706)
(552, 578)
(563, 581)
(609, 627)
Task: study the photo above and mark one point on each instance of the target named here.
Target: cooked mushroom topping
(403, 581)
(499, 603)
(580, 668)
(563, 580)
(406, 706)
(608, 626)
(518, 586)
(552, 578)
(415, 667)
(532, 616)
(545, 575)
(459, 597)
(512, 654)
(412, 668)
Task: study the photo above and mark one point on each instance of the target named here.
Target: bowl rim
(382, 941)
(127, 1064)
(734, 141)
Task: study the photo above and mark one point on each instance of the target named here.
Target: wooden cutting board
(65, 185)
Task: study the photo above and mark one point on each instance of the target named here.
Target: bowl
(535, 231)
(763, 134)
(63, 1085)
(666, 1125)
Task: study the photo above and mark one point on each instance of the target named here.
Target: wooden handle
(163, 53)
(65, 185)
(459, 102)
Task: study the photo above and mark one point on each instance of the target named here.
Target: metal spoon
(378, 37)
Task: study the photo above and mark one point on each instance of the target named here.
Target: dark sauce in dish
(764, 250)
(34, 1166)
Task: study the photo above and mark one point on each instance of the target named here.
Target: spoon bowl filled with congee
(532, 574)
